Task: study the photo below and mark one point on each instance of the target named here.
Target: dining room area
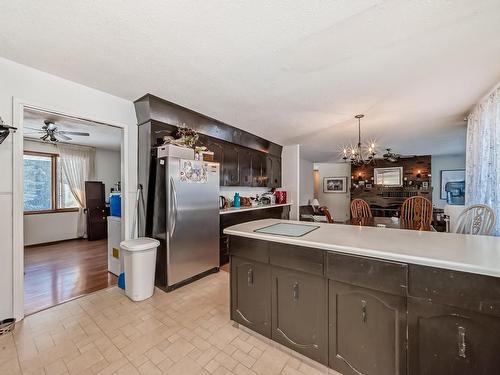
(396, 193)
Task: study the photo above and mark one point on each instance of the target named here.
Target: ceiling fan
(51, 133)
(394, 157)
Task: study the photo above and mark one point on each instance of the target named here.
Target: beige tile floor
(185, 332)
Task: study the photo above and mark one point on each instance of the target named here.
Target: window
(46, 188)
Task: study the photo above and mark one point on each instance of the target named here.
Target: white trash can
(139, 267)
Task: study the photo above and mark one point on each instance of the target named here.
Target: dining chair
(476, 219)
(417, 209)
(324, 211)
(360, 208)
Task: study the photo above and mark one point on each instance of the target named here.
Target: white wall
(306, 184)
(42, 228)
(290, 165)
(50, 92)
(107, 168)
(439, 163)
(337, 203)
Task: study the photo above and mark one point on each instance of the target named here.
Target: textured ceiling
(293, 72)
(101, 136)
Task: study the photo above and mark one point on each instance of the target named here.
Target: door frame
(18, 107)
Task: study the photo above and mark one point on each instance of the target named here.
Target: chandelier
(357, 154)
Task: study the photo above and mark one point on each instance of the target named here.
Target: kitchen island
(367, 300)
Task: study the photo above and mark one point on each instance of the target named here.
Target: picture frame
(335, 185)
(450, 175)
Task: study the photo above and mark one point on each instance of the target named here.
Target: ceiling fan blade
(35, 129)
(62, 136)
(73, 133)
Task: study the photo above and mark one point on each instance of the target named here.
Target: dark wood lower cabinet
(447, 340)
(251, 294)
(299, 312)
(366, 316)
(367, 331)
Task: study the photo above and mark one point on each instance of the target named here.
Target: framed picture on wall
(335, 185)
(451, 175)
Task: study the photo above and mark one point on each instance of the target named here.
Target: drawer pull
(363, 311)
(296, 291)
(250, 277)
(462, 346)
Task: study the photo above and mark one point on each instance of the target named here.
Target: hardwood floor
(59, 272)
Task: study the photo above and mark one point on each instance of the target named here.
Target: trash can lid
(139, 244)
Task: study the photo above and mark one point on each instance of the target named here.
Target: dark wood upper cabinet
(242, 166)
(251, 294)
(447, 340)
(245, 166)
(259, 169)
(273, 165)
(231, 166)
(217, 147)
(299, 312)
(367, 331)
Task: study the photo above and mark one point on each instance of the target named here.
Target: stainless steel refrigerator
(183, 214)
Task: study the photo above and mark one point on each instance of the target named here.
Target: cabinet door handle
(296, 291)
(250, 276)
(363, 311)
(462, 346)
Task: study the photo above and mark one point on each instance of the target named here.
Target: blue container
(121, 281)
(115, 204)
(236, 201)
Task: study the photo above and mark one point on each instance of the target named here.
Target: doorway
(67, 248)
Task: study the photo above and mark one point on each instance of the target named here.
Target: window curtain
(77, 164)
(482, 170)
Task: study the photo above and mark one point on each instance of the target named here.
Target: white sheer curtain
(77, 163)
(482, 180)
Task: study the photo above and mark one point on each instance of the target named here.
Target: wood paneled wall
(386, 201)
(411, 167)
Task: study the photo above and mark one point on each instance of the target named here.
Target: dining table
(390, 222)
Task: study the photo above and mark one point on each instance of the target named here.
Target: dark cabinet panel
(367, 331)
(274, 171)
(299, 312)
(385, 276)
(217, 147)
(470, 291)
(245, 166)
(297, 258)
(251, 295)
(259, 169)
(251, 249)
(242, 166)
(447, 340)
(231, 166)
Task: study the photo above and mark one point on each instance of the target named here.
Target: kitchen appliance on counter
(222, 201)
(183, 214)
(268, 198)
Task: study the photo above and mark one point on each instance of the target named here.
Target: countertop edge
(376, 254)
(232, 210)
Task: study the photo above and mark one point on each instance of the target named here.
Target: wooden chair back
(324, 211)
(476, 219)
(360, 208)
(417, 209)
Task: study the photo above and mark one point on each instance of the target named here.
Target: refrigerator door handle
(174, 206)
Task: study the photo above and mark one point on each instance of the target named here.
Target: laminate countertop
(458, 252)
(232, 210)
